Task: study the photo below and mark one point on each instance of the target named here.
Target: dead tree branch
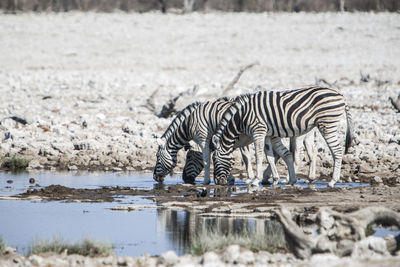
(341, 234)
(237, 77)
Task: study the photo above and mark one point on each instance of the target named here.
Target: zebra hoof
(332, 184)
(252, 188)
(265, 182)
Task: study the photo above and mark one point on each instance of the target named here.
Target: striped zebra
(265, 114)
(199, 126)
(160, 171)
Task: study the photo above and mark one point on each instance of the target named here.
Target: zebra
(159, 172)
(284, 114)
(198, 126)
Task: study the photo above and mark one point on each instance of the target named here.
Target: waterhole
(151, 229)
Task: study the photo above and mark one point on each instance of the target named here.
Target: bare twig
(169, 108)
(237, 77)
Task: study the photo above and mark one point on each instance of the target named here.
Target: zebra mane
(179, 118)
(228, 115)
(224, 98)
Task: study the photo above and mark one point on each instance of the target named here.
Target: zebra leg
(287, 156)
(268, 171)
(246, 156)
(312, 154)
(231, 179)
(271, 160)
(206, 160)
(330, 134)
(259, 141)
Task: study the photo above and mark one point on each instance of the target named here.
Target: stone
(72, 168)
(210, 258)
(168, 258)
(231, 254)
(36, 260)
(246, 257)
(377, 180)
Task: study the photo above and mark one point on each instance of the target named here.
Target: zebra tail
(349, 131)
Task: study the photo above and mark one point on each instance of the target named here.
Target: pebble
(377, 179)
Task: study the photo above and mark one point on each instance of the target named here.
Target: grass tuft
(272, 240)
(87, 247)
(2, 246)
(15, 164)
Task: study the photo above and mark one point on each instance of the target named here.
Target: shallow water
(151, 230)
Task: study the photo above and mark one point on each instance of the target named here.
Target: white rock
(231, 254)
(378, 179)
(168, 258)
(209, 258)
(246, 257)
(100, 116)
(36, 260)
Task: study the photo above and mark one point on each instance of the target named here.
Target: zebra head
(166, 161)
(222, 166)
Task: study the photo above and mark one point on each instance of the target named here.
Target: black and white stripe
(292, 113)
(193, 165)
(199, 126)
(165, 162)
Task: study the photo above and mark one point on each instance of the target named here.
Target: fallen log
(341, 234)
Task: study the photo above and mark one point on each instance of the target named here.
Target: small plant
(271, 240)
(15, 164)
(3, 246)
(87, 247)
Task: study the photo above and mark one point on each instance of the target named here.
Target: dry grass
(2, 246)
(271, 240)
(14, 163)
(87, 247)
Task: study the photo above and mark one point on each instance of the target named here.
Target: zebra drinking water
(281, 114)
(198, 123)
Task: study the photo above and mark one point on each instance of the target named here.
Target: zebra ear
(216, 142)
(160, 142)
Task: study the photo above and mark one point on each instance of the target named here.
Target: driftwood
(341, 234)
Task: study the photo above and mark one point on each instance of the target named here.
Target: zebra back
(179, 118)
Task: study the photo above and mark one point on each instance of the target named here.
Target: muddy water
(149, 230)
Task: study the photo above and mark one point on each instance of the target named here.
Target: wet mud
(233, 199)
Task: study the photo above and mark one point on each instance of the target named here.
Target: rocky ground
(83, 91)
(230, 256)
